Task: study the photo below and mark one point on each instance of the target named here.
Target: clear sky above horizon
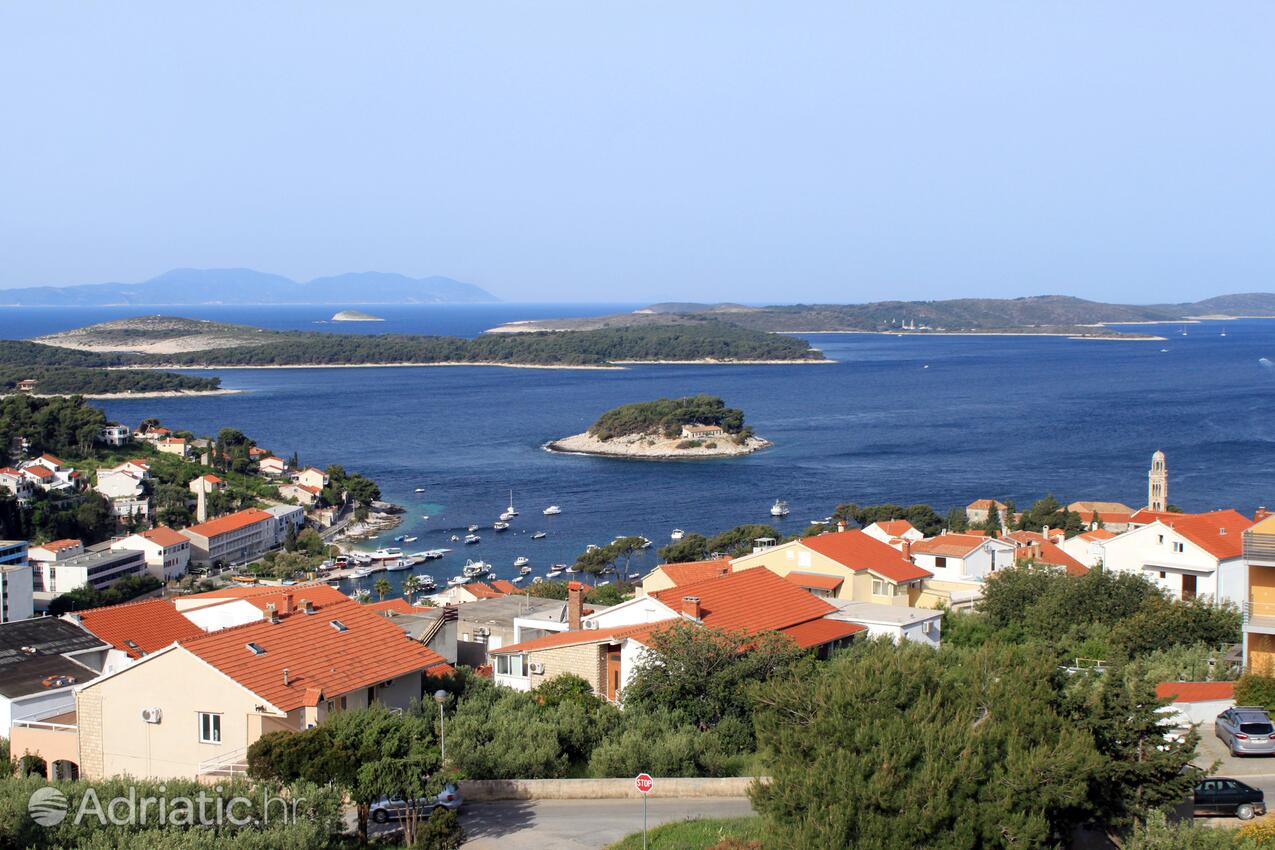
(759, 152)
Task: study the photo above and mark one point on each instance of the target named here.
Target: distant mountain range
(1060, 314)
(246, 286)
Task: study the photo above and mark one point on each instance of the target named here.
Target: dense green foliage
(70, 380)
(60, 426)
(666, 416)
(733, 542)
(1255, 689)
(982, 748)
(83, 598)
(922, 517)
(702, 834)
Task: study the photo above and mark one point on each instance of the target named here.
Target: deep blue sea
(942, 420)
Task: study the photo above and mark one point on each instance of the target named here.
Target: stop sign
(644, 783)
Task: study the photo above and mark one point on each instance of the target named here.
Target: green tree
(956, 520)
(411, 586)
(382, 587)
(692, 547)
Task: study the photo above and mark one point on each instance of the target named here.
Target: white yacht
(524, 570)
(519, 579)
(472, 538)
(677, 534)
(552, 510)
(780, 508)
(410, 539)
(506, 516)
(521, 561)
(420, 489)
(500, 526)
(398, 566)
(360, 573)
(475, 568)
(387, 553)
(455, 580)
(539, 535)
(473, 528)
(554, 573)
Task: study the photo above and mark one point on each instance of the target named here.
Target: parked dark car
(1246, 730)
(1219, 795)
(387, 809)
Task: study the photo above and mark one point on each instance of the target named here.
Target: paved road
(580, 824)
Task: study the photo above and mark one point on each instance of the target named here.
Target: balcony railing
(1259, 547)
(1259, 611)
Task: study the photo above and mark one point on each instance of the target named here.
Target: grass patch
(694, 834)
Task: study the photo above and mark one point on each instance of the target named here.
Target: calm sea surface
(942, 420)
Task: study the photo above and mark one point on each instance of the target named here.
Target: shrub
(1255, 689)
(440, 831)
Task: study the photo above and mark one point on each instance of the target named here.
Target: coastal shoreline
(217, 367)
(151, 394)
(635, 447)
(1126, 338)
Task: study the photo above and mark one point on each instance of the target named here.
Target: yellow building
(1259, 607)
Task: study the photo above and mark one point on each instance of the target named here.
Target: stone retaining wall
(477, 790)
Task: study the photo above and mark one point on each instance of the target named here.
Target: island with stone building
(694, 427)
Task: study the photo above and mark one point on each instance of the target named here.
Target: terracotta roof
(210, 478)
(1220, 533)
(754, 600)
(39, 471)
(149, 625)
(321, 658)
(896, 527)
(692, 571)
(821, 631)
(1113, 517)
(231, 522)
(262, 595)
(504, 586)
(1049, 553)
(175, 441)
(1097, 534)
(58, 545)
(1087, 508)
(9, 470)
(815, 580)
(858, 551)
(949, 545)
(165, 536)
(984, 504)
(1195, 691)
(482, 591)
(51, 459)
(395, 606)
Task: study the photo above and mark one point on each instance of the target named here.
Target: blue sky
(761, 152)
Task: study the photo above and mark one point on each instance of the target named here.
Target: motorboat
(360, 573)
(592, 547)
(506, 516)
(519, 579)
(336, 582)
(399, 565)
(537, 579)
(360, 558)
(554, 573)
(472, 528)
(780, 508)
(420, 489)
(490, 575)
(409, 539)
(424, 516)
(539, 535)
(471, 539)
(552, 510)
(645, 544)
(571, 569)
(455, 538)
(677, 534)
(387, 553)
(400, 538)
(455, 580)
(524, 570)
(521, 561)
(500, 526)
(475, 568)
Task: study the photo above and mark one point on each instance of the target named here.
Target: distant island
(686, 428)
(246, 286)
(355, 316)
(1046, 314)
(173, 342)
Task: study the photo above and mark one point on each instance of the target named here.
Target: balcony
(54, 739)
(1259, 548)
(1259, 617)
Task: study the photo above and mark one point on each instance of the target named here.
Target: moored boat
(780, 508)
(470, 539)
(521, 561)
(539, 535)
(552, 510)
(677, 534)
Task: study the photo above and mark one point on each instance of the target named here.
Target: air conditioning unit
(483, 631)
(590, 624)
(537, 668)
(152, 715)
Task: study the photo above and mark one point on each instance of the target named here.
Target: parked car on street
(1219, 795)
(1246, 730)
(388, 809)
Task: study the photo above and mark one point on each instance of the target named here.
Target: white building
(15, 581)
(285, 517)
(124, 486)
(115, 435)
(233, 538)
(1087, 547)
(312, 477)
(894, 532)
(963, 557)
(897, 622)
(49, 474)
(98, 568)
(19, 485)
(1188, 555)
(167, 552)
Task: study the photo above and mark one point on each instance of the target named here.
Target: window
(511, 665)
(927, 626)
(1161, 573)
(881, 588)
(209, 728)
(1179, 547)
(940, 563)
(1161, 538)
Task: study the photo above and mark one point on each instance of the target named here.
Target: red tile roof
(505, 586)
(821, 631)
(9, 470)
(165, 536)
(692, 571)
(231, 522)
(210, 478)
(754, 600)
(482, 591)
(896, 527)
(984, 504)
(262, 595)
(815, 580)
(57, 545)
(1220, 533)
(1097, 534)
(322, 660)
(949, 545)
(151, 625)
(394, 606)
(51, 459)
(1113, 517)
(858, 551)
(1050, 554)
(39, 471)
(1195, 691)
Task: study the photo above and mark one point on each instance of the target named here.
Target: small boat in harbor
(387, 553)
(506, 516)
(336, 582)
(511, 510)
(426, 582)
(554, 573)
(571, 569)
(420, 489)
(677, 534)
(361, 572)
(409, 539)
(400, 538)
(552, 510)
(539, 535)
(780, 508)
(592, 547)
(455, 580)
(473, 528)
(455, 538)
(471, 539)
(500, 526)
(521, 561)
(398, 566)
(519, 579)
(472, 569)
(524, 570)
(537, 579)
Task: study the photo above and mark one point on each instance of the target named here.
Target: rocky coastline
(656, 447)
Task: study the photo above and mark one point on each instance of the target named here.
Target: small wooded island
(355, 316)
(693, 427)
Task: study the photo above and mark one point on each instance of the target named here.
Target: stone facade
(588, 661)
(88, 717)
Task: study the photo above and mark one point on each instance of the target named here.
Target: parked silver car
(387, 809)
(1247, 730)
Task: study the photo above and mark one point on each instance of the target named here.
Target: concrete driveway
(580, 824)
(1258, 771)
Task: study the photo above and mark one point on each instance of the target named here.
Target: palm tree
(362, 595)
(382, 587)
(411, 586)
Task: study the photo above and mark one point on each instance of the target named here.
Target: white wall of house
(1087, 552)
(1168, 559)
(876, 532)
(639, 610)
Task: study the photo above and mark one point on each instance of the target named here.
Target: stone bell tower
(1158, 484)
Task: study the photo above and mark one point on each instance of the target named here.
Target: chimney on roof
(575, 604)
(690, 607)
(1260, 514)
(1044, 532)
(307, 606)
(907, 550)
(285, 677)
(272, 612)
(841, 525)
(287, 604)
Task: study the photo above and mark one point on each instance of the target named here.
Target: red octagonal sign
(644, 783)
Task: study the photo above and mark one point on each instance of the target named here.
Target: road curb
(481, 790)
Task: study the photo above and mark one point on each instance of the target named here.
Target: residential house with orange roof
(178, 446)
(19, 486)
(894, 532)
(50, 474)
(234, 606)
(124, 485)
(1258, 606)
(977, 511)
(302, 494)
(863, 568)
(135, 629)
(233, 538)
(605, 647)
(167, 551)
(1040, 550)
(1086, 547)
(312, 477)
(1188, 555)
(207, 484)
(671, 575)
(284, 673)
(460, 594)
(960, 563)
(272, 466)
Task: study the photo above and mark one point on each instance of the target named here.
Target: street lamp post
(440, 697)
